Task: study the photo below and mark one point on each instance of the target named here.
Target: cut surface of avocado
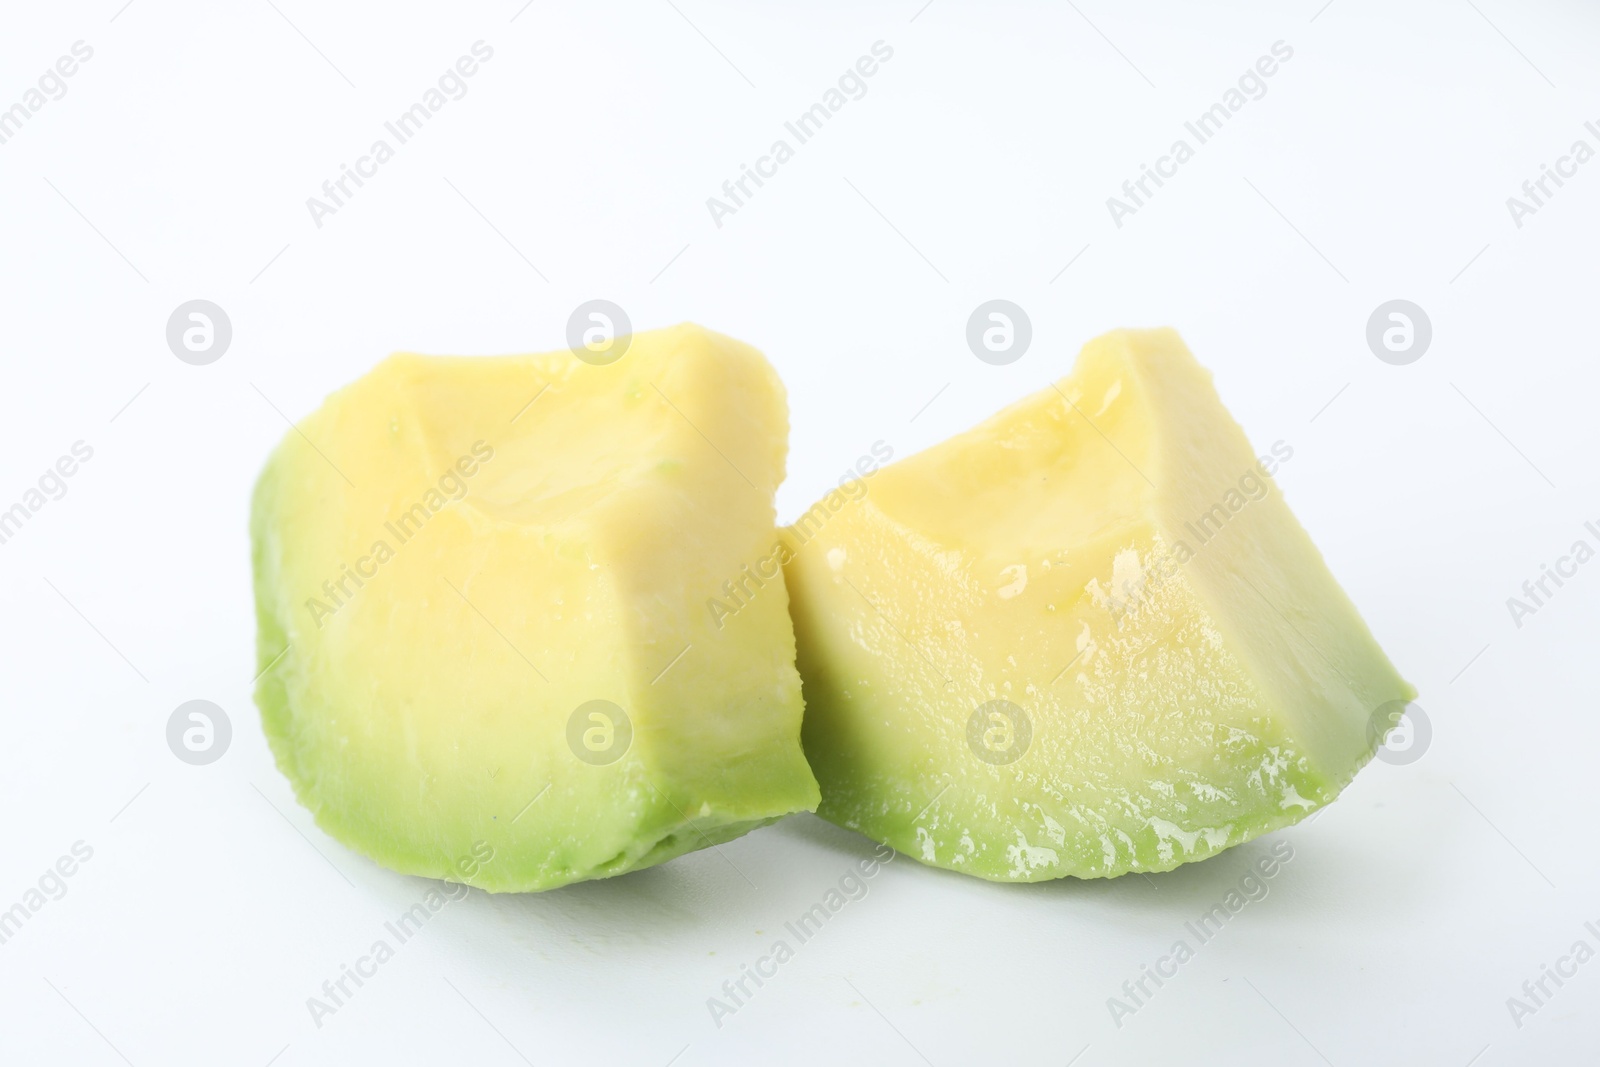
(481, 588)
(1084, 638)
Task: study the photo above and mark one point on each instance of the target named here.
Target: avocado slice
(480, 589)
(1084, 638)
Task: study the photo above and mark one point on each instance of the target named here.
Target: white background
(1377, 166)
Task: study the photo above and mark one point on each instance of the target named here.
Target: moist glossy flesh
(1109, 557)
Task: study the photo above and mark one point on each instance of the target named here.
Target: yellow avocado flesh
(1111, 558)
(461, 552)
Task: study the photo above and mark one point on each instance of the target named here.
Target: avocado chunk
(1084, 638)
(480, 589)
